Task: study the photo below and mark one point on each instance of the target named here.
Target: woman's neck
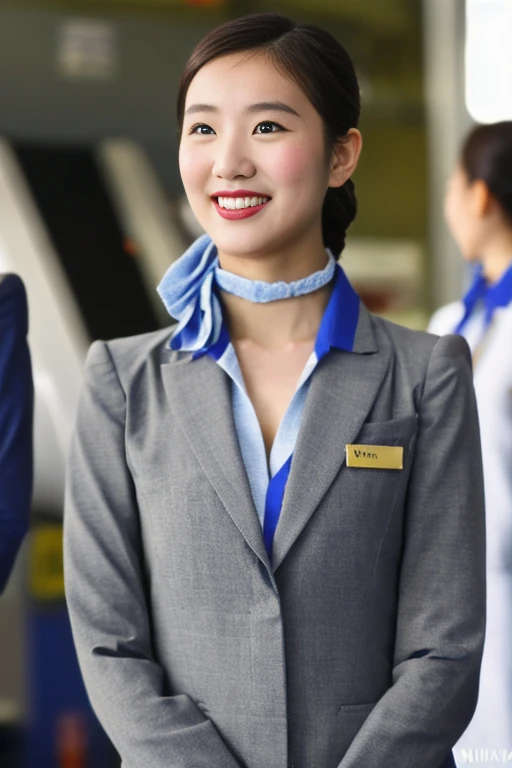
(277, 323)
(496, 256)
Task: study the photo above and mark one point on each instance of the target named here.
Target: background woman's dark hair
(487, 155)
(321, 68)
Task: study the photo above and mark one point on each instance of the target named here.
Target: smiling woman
(263, 532)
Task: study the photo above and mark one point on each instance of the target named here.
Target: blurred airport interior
(92, 213)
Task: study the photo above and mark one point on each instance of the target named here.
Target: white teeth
(236, 203)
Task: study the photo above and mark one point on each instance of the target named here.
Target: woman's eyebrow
(271, 106)
(260, 106)
(200, 108)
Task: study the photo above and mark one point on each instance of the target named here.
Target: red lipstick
(238, 213)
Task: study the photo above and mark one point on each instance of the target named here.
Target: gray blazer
(360, 645)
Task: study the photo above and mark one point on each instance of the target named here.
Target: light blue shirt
(337, 329)
(249, 433)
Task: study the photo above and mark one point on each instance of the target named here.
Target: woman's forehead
(242, 80)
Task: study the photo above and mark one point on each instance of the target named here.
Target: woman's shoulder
(503, 315)
(445, 319)
(401, 338)
(414, 350)
(130, 354)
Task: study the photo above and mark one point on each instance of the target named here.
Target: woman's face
(253, 139)
(463, 214)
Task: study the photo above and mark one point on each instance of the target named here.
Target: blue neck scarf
(492, 297)
(187, 290)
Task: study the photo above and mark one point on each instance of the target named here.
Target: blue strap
(274, 502)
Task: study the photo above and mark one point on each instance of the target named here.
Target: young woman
(479, 214)
(274, 523)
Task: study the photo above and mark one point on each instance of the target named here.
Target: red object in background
(130, 246)
(377, 300)
(71, 741)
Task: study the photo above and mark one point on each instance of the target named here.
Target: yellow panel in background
(46, 563)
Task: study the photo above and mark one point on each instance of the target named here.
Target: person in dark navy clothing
(16, 415)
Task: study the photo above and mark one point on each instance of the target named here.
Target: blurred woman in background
(478, 210)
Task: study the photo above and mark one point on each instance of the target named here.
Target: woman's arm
(105, 593)
(441, 615)
(16, 409)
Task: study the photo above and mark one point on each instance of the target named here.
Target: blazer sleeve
(441, 608)
(106, 594)
(16, 413)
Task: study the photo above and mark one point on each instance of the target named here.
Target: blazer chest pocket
(397, 432)
(374, 476)
(383, 446)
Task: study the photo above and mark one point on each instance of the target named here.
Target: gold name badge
(375, 456)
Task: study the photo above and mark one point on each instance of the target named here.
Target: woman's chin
(241, 245)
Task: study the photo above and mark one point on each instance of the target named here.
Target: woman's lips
(239, 213)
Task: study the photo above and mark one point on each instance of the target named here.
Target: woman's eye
(268, 126)
(202, 129)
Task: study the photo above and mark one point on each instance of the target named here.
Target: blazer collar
(342, 391)
(199, 393)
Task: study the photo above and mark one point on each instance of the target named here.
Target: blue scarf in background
(491, 296)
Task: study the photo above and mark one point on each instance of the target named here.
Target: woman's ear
(344, 157)
(481, 198)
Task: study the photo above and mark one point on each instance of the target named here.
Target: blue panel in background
(63, 731)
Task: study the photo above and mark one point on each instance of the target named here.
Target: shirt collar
(339, 322)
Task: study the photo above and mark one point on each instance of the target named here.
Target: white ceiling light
(489, 60)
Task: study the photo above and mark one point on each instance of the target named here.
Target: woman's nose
(232, 160)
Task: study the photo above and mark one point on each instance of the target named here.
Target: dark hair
(487, 155)
(321, 68)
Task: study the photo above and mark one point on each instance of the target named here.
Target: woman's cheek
(191, 168)
(461, 226)
(294, 165)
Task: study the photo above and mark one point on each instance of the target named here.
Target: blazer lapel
(342, 392)
(200, 398)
